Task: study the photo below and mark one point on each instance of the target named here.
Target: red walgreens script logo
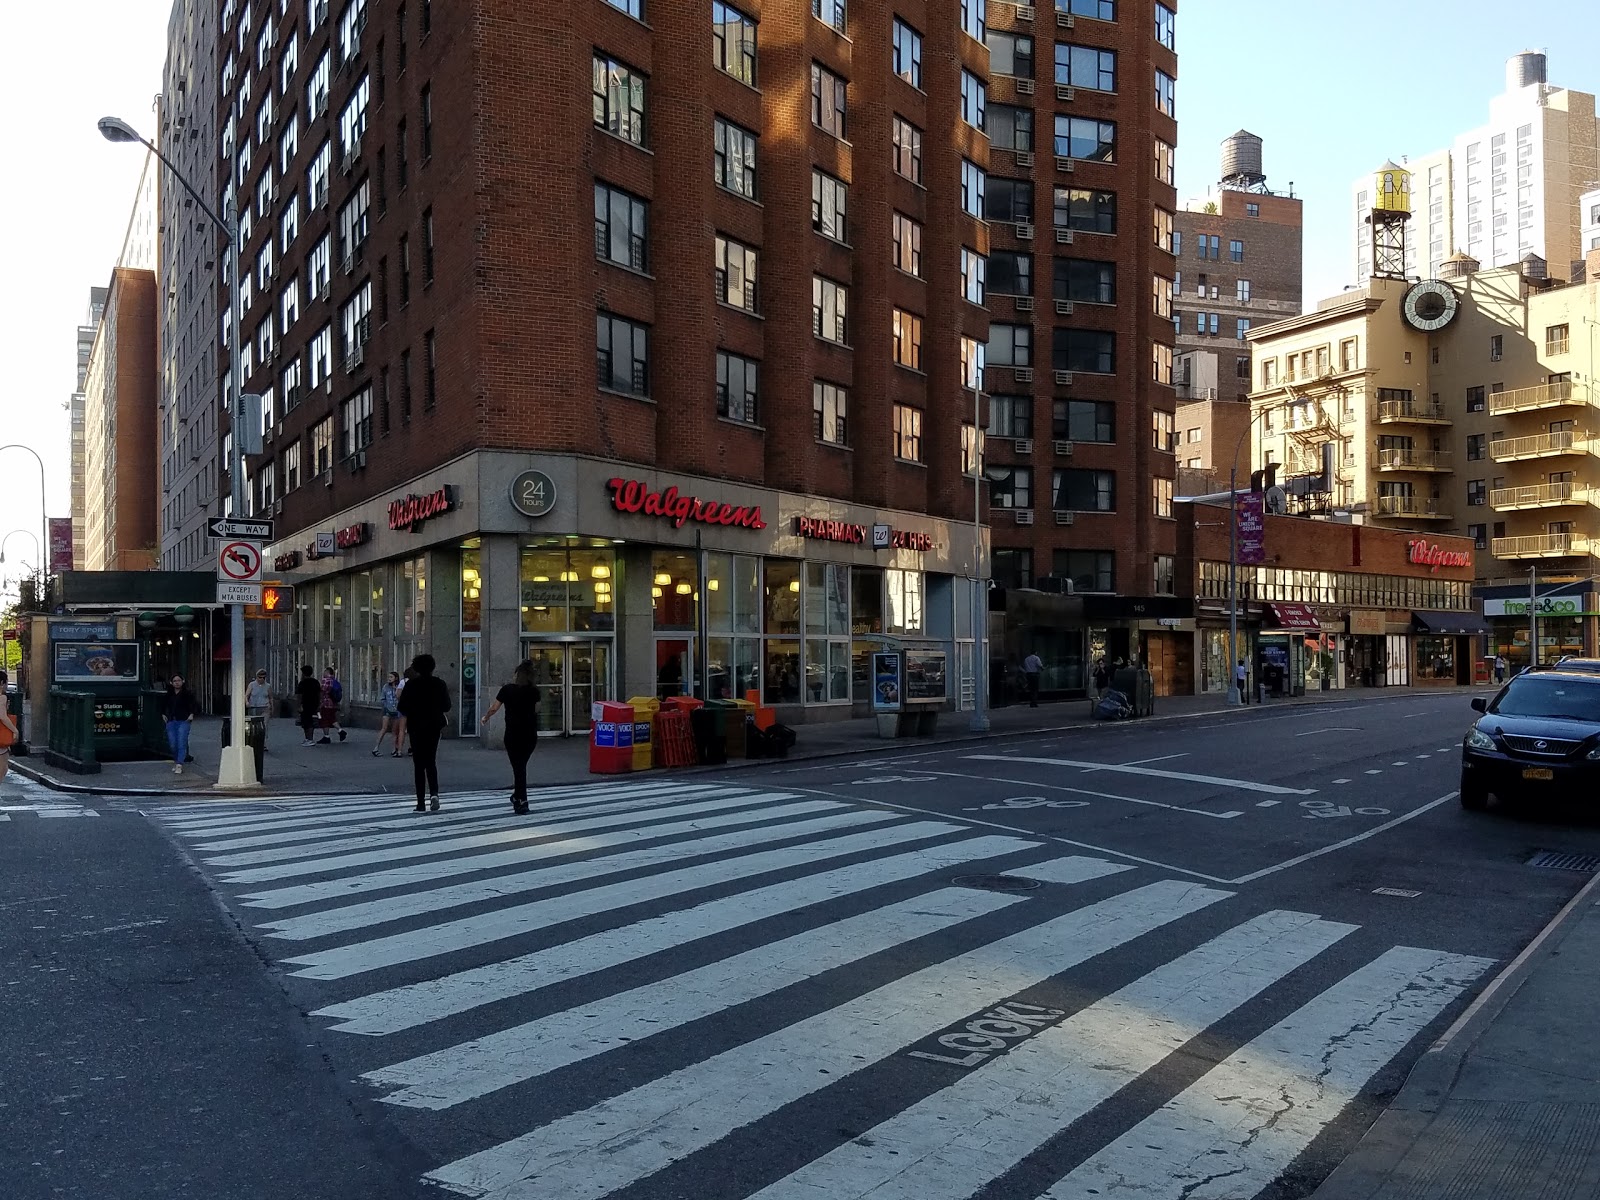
(413, 510)
(1433, 557)
(635, 496)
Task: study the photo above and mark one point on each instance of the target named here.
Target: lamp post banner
(1252, 530)
(60, 544)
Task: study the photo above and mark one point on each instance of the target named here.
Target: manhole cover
(1564, 861)
(996, 883)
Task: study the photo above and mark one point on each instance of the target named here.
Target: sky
(1334, 88)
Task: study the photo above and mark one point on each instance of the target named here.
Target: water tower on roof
(1241, 162)
(1388, 216)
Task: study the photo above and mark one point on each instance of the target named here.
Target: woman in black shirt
(423, 704)
(520, 699)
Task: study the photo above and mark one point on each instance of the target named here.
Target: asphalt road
(1189, 958)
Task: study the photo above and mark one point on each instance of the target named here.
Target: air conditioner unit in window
(1065, 518)
(269, 356)
(1024, 158)
(1065, 92)
(1063, 308)
(1063, 237)
(1023, 303)
(1064, 449)
(361, 458)
(1064, 378)
(1024, 446)
(354, 360)
(1022, 374)
(1024, 12)
(1024, 231)
(277, 508)
(1064, 164)
(348, 263)
(1024, 88)
(1064, 20)
(1024, 516)
(327, 477)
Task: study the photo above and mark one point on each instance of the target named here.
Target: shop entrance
(571, 676)
(675, 673)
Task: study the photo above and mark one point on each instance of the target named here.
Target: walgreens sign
(1433, 557)
(635, 496)
(411, 511)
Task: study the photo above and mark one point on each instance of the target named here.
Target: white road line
(483, 928)
(522, 832)
(1330, 729)
(1420, 756)
(1268, 803)
(433, 999)
(428, 872)
(1401, 763)
(1349, 841)
(1243, 785)
(472, 1069)
(619, 1141)
(416, 904)
(1375, 772)
(1062, 787)
(956, 1141)
(1138, 762)
(1341, 781)
(1237, 1128)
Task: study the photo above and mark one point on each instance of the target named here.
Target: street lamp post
(238, 764)
(37, 546)
(44, 515)
(1234, 695)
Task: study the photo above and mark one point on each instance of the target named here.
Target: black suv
(1539, 737)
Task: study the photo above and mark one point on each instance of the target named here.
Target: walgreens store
(618, 582)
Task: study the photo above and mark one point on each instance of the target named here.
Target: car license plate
(1538, 773)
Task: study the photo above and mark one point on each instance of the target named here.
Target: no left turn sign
(239, 562)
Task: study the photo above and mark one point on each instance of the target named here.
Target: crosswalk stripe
(410, 1005)
(619, 1141)
(1237, 1128)
(417, 904)
(516, 830)
(431, 940)
(956, 1141)
(524, 1052)
(455, 815)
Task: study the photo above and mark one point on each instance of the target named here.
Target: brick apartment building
(729, 439)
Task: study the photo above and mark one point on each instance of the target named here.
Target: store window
(781, 624)
(567, 589)
(827, 622)
(471, 589)
(733, 662)
(673, 597)
(903, 612)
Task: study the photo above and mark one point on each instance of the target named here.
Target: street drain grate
(996, 883)
(1565, 861)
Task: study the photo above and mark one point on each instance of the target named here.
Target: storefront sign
(533, 494)
(286, 562)
(81, 631)
(116, 718)
(1548, 606)
(884, 537)
(1433, 557)
(1368, 622)
(352, 535)
(635, 496)
(1252, 530)
(411, 511)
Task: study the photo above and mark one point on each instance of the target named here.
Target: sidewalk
(1507, 1103)
(467, 765)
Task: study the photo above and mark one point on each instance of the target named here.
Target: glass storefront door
(571, 676)
(675, 673)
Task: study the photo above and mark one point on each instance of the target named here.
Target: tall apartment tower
(76, 412)
(192, 258)
(1508, 188)
(1082, 126)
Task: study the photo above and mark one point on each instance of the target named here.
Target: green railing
(72, 731)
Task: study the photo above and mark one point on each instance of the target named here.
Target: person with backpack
(309, 693)
(520, 699)
(423, 704)
(328, 706)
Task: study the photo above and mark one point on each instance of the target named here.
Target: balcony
(1528, 399)
(1414, 460)
(1419, 507)
(1544, 495)
(1411, 412)
(1544, 545)
(1538, 445)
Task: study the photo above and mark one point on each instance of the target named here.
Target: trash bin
(731, 714)
(611, 739)
(645, 709)
(255, 737)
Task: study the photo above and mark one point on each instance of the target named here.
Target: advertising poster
(925, 675)
(92, 662)
(60, 544)
(885, 681)
(1252, 530)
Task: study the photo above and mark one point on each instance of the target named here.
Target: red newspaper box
(611, 739)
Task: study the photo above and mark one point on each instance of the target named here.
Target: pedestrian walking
(423, 704)
(258, 703)
(389, 726)
(400, 738)
(1500, 668)
(179, 709)
(1102, 679)
(328, 706)
(309, 694)
(8, 725)
(1032, 668)
(520, 699)
(1241, 680)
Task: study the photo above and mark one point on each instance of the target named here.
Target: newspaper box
(611, 739)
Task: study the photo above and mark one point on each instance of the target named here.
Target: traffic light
(277, 599)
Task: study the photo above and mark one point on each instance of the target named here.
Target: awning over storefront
(1446, 624)
(1293, 617)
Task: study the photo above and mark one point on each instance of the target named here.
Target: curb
(1427, 1086)
(911, 746)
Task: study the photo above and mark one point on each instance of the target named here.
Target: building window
(907, 236)
(427, 246)
(1100, 10)
(430, 364)
(907, 53)
(405, 270)
(291, 467)
(828, 304)
(405, 387)
(1166, 163)
(1252, 210)
(1009, 345)
(426, 107)
(621, 227)
(1085, 281)
(1241, 326)
(1555, 339)
(1163, 435)
(356, 418)
(907, 150)
(1161, 497)
(622, 355)
(1235, 250)
(1006, 273)
(829, 408)
(735, 273)
(972, 364)
(618, 100)
(972, 19)
(738, 381)
(733, 42)
(1241, 363)
(1076, 490)
(1477, 446)
(974, 100)
(1010, 127)
(1348, 356)
(1092, 351)
(1084, 421)
(974, 273)
(908, 433)
(1010, 416)
(401, 169)
(322, 446)
(827, 100)
(1010, 487)
(830, 12)
(1475, 399)
(1166, 94)
(1010, 54)
(1208, 247)
(972, 188)
(1479, 535)
(1242, 291)
(1089, 211)
(907, 339)
(1087, 139)
(1011, 568)
(1089, 570)
(1086, 67)
(1161, 363)
(1008, 199)
(1496, 347)
(1477, 492)
(734, 159)
(828, 206)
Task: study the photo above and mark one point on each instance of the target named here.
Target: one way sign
(229, 528)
